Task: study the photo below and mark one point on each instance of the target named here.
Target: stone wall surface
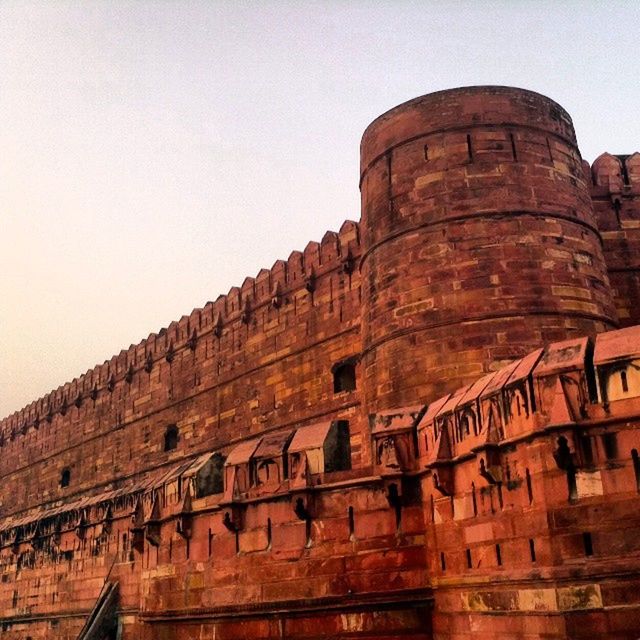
(426, 426)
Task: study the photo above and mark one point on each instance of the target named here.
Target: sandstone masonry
(426, 426)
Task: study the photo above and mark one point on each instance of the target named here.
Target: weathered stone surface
(414, 428)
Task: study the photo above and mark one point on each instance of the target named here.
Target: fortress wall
(615, 190)
(479, 246)
(234, 585)
(532, 511)
(476, 222)
(270, 367)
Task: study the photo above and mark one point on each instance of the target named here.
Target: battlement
(271, 288)
(423, 426)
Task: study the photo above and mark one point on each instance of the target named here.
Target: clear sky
(153, 154)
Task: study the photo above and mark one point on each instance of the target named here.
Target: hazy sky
(153, 154)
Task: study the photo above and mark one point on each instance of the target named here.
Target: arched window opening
(344, 377)
(624, 382)
(65, 478)
(171, 438)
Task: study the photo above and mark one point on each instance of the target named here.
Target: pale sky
(154, 154)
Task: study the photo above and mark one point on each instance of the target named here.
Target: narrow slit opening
(529, 486)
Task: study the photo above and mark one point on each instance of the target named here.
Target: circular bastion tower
(479, 239)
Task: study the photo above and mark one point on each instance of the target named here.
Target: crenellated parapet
(614, 183)
(271, 288)
(243, 350)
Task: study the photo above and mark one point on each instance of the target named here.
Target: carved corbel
(56, 535)
(184, 522)
(302, 507)
(299, 475)
(34, 536)
(490, 468)
(443, 480)
(387, 454)
(137, 526)
(14, 540)
(81, 525)
(105, 523)
(232, 519)
(153, 524)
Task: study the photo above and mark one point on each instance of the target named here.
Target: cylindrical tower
(479, 240)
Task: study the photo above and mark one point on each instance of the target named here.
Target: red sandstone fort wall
(492, 481)
(270, 367)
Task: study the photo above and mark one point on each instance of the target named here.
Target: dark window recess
(171, 437)
(587, 450)
(344, 377)
(610, 444)
(587, 541)
(65, 478)
(443, 562)
(209, 479)
(498, 555)
(352, 523)
(636, 467)
(532, 549)
(624, 381)
(469, 561)
(337, 447)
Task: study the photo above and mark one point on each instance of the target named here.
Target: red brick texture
(424, 426)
